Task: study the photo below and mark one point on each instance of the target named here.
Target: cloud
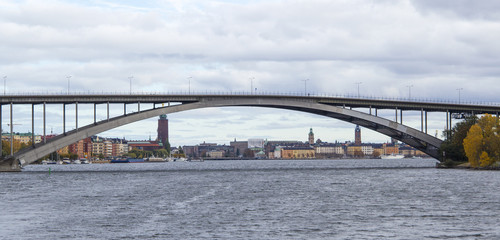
(486, 9)
(436, 46)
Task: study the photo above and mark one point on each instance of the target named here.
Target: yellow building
(355, 150)
(22, 137)
(297, 153)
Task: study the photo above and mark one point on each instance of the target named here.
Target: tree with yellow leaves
(482, 144)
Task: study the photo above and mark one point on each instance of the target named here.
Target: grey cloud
(474, 9)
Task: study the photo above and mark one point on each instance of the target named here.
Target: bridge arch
(411, 136)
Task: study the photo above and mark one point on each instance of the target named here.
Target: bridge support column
(376, 112)
(95, 113)
(33, 124)
(447, 124)
(1, 130)
(9, 166)
(64, 118)
(11, 131)
(421, 119)
(44, 124)
(426, 122)
(76, 116)
(401, 113)
(108, 111)
(396, 115)
(124, 109)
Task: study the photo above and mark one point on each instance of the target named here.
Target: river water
(309, 199)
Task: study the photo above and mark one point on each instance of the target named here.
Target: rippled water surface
(337, 199)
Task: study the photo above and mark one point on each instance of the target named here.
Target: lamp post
(358, 83)
(409, 91)
(4, 84)
(305, 86)
(68, 77)
(189, 84)
(251, 84)
(130, 82)
(459, 90)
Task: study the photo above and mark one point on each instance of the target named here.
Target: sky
(393, 48)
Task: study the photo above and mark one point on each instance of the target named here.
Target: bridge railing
(255, 93)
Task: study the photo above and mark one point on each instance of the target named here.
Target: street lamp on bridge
(130, 82)
(358, 83)
(68, 77)
(459, 90)
(305, 86)
(251, 84)
(189, 84)
(4, 84)
(409, 91)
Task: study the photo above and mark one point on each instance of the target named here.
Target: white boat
(393, 156)
(156, 159)
(84, 161)
(77, 161)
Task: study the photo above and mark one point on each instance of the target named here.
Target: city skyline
(416, 49)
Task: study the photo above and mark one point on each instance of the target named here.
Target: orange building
(391, 149)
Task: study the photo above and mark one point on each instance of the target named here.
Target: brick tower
(357, 135)
(163, 129)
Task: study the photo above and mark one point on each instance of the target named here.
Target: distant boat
(84, 161)
(181, 159)
(128, 160)
(393, 156)
(156, 159)
(45, 162)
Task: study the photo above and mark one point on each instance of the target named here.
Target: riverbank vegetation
(473, 141)
(452, 148)
(482, 144)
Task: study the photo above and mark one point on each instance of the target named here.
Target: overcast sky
(436, 46)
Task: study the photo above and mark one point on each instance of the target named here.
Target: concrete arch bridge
(341, 108)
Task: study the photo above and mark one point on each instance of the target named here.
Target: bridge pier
(9, 166)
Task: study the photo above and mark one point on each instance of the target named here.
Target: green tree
(453, 145)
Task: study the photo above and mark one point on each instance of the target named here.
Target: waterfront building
(297, 152)
(326, 150)
(144, 145)
(215, 154)
(355, 151)
(240, 147)
(21, 137)
(390, 148)
(82, 148)
(209, 149)
(367, 149)
(378, 149)
(120, 147)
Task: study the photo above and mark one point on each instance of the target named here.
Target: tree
(473, 144)
(483, 142)
(453, 145)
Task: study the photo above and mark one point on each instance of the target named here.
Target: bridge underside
(417, 139)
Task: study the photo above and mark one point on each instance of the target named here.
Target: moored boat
(393, 156)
